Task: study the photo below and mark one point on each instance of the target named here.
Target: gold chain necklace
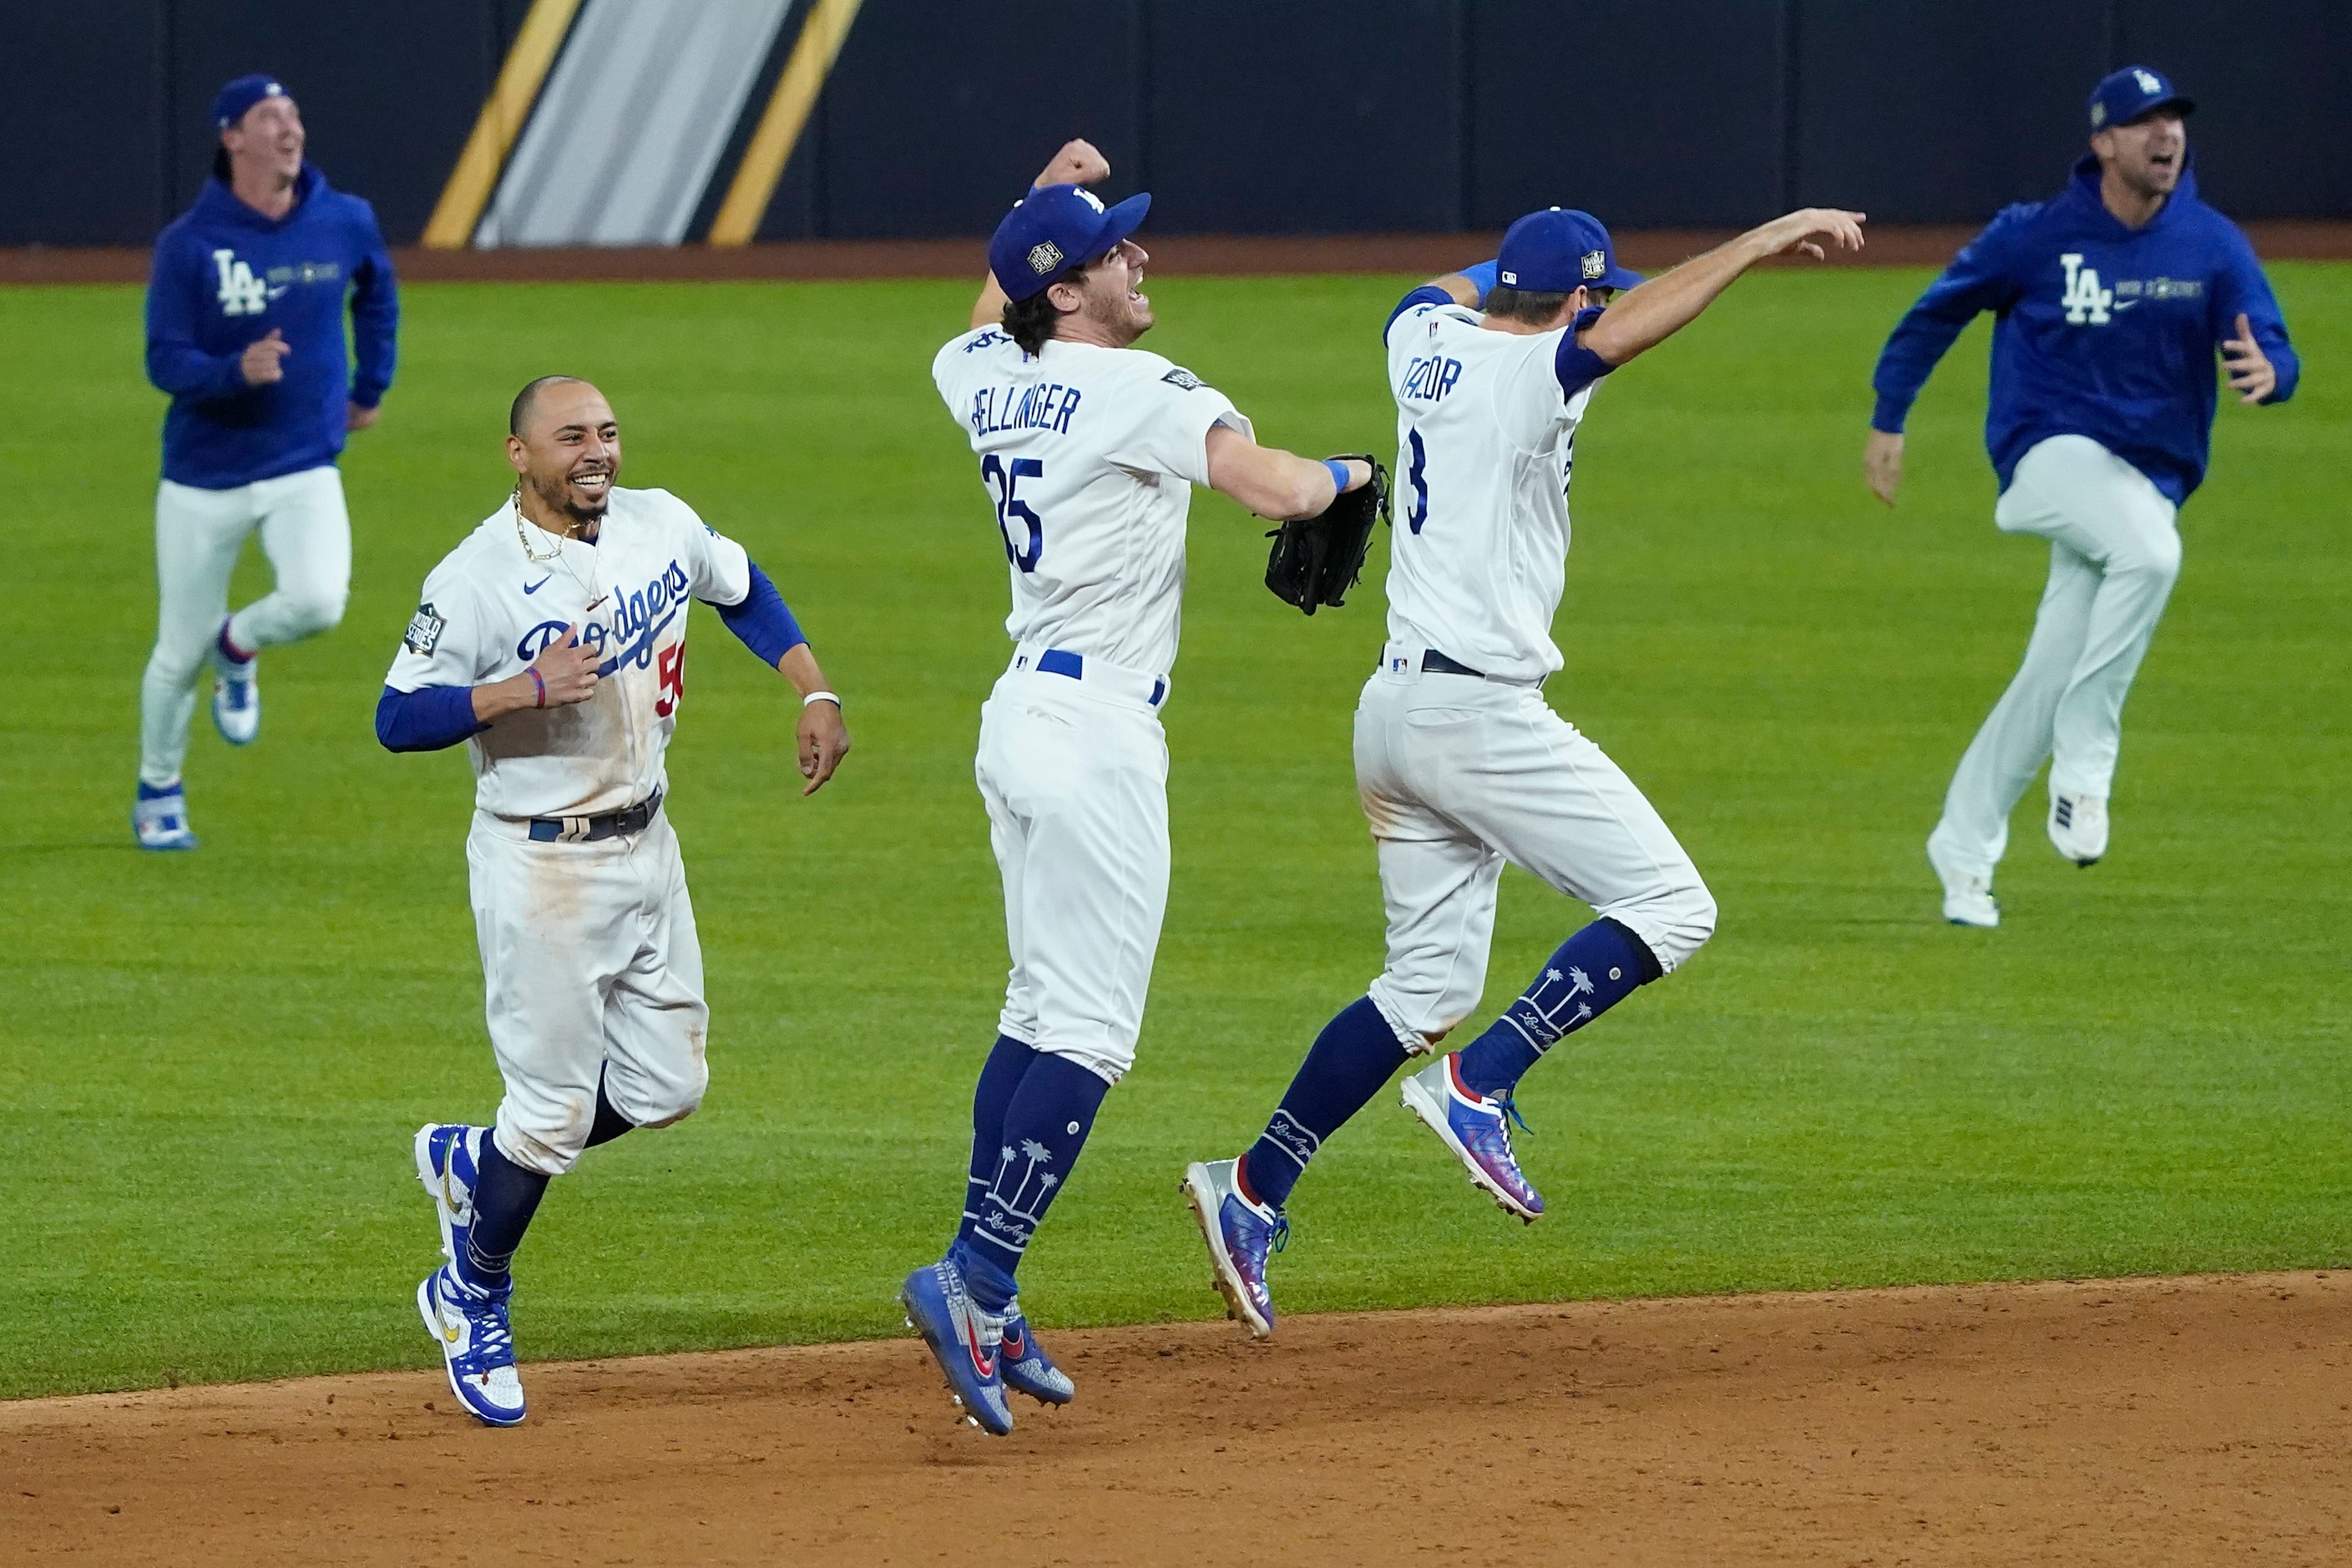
(523, 530)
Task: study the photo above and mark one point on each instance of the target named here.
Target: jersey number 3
(1417, 476)
(1004, 480)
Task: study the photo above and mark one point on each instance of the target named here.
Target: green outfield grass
(213, 1063)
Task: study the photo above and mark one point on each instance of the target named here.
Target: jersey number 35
(1004, 480)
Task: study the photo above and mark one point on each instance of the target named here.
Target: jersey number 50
(1004, 480)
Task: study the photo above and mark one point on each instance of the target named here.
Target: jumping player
(553, 641)
(244, 329)
(2112, 297)
(1088, 449)
(1460, 763)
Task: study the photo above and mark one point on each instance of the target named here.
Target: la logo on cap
(1595, 264)
(2148, 82)
(1043, 257)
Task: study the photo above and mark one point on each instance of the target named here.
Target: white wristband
(820, 697)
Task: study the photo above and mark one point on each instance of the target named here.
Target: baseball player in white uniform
(1460, 763)
(552, 642)
(1087, 449)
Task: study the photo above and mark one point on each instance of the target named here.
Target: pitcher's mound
(2135, 1421)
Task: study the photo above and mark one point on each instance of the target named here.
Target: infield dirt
(2197, 1420)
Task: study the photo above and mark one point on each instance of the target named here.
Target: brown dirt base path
(2201, 1420)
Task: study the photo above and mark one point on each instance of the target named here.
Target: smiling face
(568, 452)
(1106, 298)
(2146, 154)
(268, 142)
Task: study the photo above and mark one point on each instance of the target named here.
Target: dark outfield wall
(1253, 116)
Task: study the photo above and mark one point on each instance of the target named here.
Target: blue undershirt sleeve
(427, 719)
(1427, 294)
(1579, 367)
(762, 621)
(1976, 280)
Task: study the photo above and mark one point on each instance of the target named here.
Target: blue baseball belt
(589, 830)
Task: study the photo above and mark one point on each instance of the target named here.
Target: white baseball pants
(590, 966)
(1074, 775)
(199, 533)
(1459, 774)
(2114, 553)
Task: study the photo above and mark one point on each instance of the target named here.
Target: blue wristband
(1340, 475)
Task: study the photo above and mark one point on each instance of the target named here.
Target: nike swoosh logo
(980, 1360)
(2125, 305)
(544, 582)
(1017, 1349)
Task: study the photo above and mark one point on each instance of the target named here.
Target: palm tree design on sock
(1543, 1022)
(1009, 1215)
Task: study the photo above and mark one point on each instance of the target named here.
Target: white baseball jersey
(493, 605)
(1485, 437)
(1089, 456)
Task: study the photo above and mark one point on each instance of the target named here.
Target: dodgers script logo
(241, 293)
(2084, 299)
(636, 621)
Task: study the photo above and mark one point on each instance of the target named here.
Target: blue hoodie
(225, 276)
(2101, 331)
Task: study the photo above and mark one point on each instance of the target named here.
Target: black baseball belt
(589, 830)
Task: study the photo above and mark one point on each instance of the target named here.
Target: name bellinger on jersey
(1107, 443)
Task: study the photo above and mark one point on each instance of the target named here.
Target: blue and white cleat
(1478, 1132)
(1241, 1234)
(446, 1153)
(237, 695)
(470, 1326)
(967, 1342)
(160, 819)
(1026, 1368)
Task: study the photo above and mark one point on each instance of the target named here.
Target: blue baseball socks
(1007, 1063)
(506, 1197)
(1593, 971)
(1354, 1056)
(1048, 1116)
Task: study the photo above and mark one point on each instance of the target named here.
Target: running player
(2112, 298)
(244, 329)
(553, 641)
(1088, 449)
(1460, 763)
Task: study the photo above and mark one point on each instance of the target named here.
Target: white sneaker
(236, 699)
(2078, 825)
(1968, 898)
(160, 819)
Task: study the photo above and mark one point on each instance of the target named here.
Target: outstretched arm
(1978, 279)
(1274, 483)
(1643, 318)
(1078, 163)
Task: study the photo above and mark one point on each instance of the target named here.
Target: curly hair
(1030, 321)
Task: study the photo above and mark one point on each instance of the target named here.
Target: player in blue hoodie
(244, 329)
(2111, 298)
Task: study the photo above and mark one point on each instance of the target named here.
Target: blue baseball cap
(2132, 93)
(230, 102)
(1054, 231)
(1558, 250)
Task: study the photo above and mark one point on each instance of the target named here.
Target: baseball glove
(1316, 559)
